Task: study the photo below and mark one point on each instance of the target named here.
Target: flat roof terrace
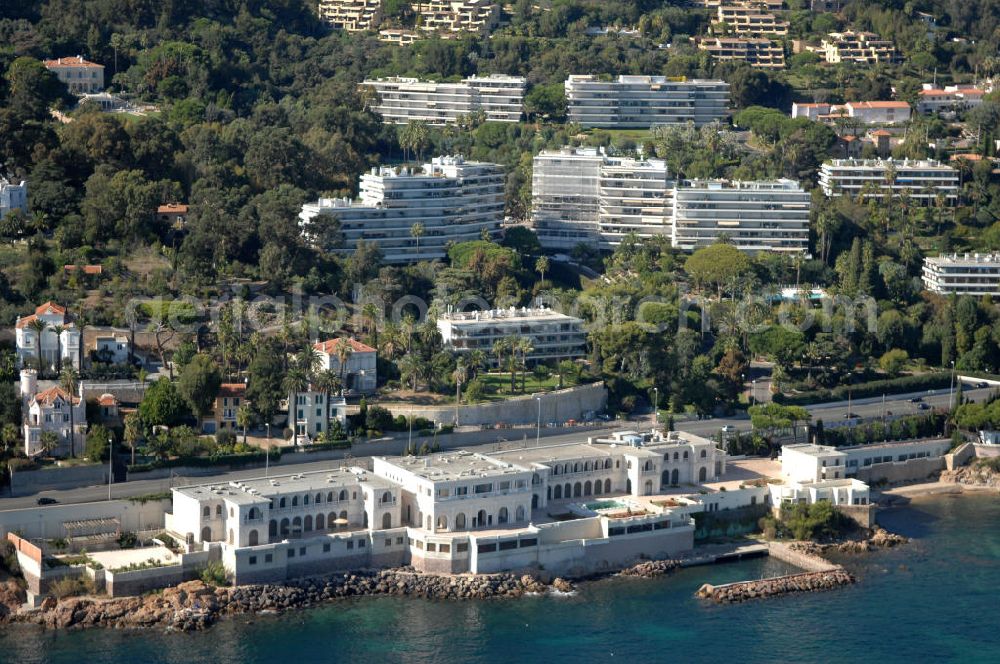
(454, 466)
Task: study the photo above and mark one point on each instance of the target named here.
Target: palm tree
(49, 441)
(58, 330)
(9, 436)
(542, 266)
(327, 382)
(133, 432)
(410, 369)
(38, 326)
(68, 379)
(295, 381)
(417, 232)
(344, 351)
(477, 361)
(524, 347)
(409, 322)
(370, 314)
(244, 418)
(460, 375)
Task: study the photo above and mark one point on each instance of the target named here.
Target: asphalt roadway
(830, 413)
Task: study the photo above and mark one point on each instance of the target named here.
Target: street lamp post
(538, 425)
(409, 438)
(753, 392)
(656, 407)
(951, 390)
(111, 461)
(267, 449)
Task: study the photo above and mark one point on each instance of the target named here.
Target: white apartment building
(755, 51)
(748, 20)
(360, 367)
(644, 101)
(862, 456)
(80, 76)
(404, 100)
(111, 348)
(584, 196)
(963, 274)
(451, 199)
(756, 216)
(864, 48)
(49, 411)
(399, 37)
(554, 336)
(949, 98)
(921, 180)
(866, 112)
(313, 412)
(457, 16)
(350, 15)
(52, 348)
(13, 197)
(811, 473)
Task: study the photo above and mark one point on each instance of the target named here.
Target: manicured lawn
(498, 385)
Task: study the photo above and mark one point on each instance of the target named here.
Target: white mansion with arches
(581, 506)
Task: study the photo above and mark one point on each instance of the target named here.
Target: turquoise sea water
(936, 599)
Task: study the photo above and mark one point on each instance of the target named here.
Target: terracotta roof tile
(72, 62)
(49, 396)
(330, 346)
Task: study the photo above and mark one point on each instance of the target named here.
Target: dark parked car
(916, 399)
(923, 406)
(981, 385)
(45, 500)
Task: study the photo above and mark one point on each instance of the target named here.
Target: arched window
(648, 487)
(297, 524)
(586, 488)
(207, 512)
(430, 525)
(597, 488)
(284, 527)
(442, 523)
(307, 523)
(536, 479)
(206, 534)
(480, 519)
(386, 497)
(460, 521)
(607, 464)
(567, 490)
(557, 494)
(343, 494)
(685, 454)
(230, 540)
(320, 522)
(319, 498)
(548, 493)
(305, 499)
(218, 510)
(704, 453)
(566, 470)
(387, 521)
(281, 503)
(576, 467)
(252, 538)
(676, 456)
(555, 470)
(519, 514)
(577, 490)
(675, 477)
(343, 514)
(586, 467)
(702, 474)
(295, 501)
(666, 457)
(329, 497)
(330, 519)
(502, 515)
(607, 486)
(272, 528)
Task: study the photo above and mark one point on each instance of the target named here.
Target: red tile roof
(172, 208)
(87, 269)
(23, 322)
(879, 104)
(231, 390)
(49, 307)
(49, 396)
(330, 346)
(882, 132)
(78, 61)
(107, 400)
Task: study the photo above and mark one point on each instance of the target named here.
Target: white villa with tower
(51, 333)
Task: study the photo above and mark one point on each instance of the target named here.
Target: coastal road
(505, 439)
(835, 412)
(502, 439)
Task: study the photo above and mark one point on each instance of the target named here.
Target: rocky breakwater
(749, 590)
(878, 538)
(979, 474)
(650, 569)
(194, 605)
